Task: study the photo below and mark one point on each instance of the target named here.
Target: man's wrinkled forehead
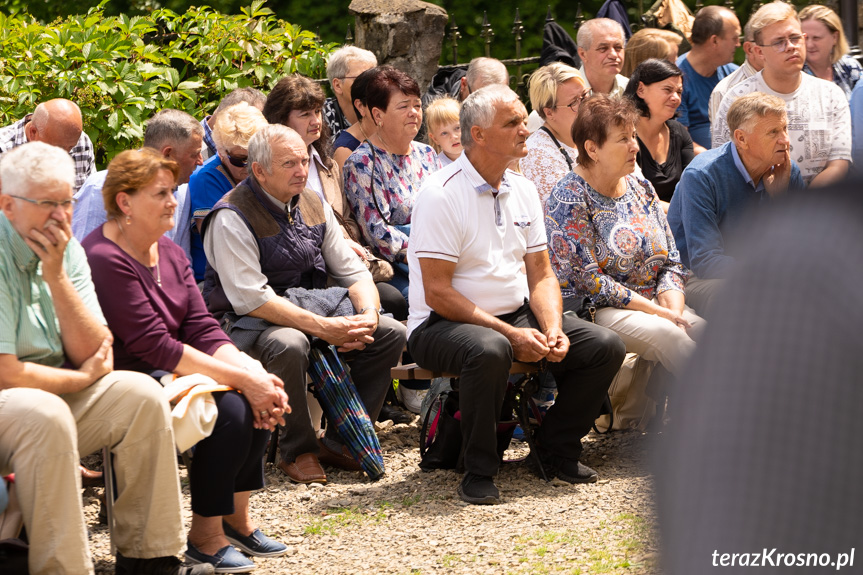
(512, 112)
(291, 148)
(607, 37)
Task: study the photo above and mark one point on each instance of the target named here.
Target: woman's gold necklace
(157, 275)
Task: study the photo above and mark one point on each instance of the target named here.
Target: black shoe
(574, 471)
(395, 414)
(159, 566)
(478, 489)
(569, 470)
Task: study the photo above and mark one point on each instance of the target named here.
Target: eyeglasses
(783, 43)
(575, 105)
(65, 204)
(237, 162)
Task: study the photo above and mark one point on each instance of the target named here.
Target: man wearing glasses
(179, 137)
(343, 67)
(59, 395)
(819, 120)
(58, 123)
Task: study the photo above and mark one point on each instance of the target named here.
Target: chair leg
(274, 444)
(110, 493)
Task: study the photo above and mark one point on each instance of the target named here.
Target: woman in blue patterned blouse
(827, 49)
(384, 174)
(609, 240)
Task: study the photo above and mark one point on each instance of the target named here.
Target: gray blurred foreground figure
(762, 458)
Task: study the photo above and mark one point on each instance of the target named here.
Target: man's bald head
(56, 122)
(482, 72)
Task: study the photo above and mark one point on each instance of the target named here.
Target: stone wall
(406, 34)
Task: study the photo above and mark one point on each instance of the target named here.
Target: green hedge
(121, 70)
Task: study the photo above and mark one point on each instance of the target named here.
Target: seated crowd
(326, 220)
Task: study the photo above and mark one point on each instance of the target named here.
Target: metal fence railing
(848, 11)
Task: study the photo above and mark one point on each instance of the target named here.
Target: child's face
(448, 137)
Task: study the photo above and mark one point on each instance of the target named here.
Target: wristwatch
(378, 310)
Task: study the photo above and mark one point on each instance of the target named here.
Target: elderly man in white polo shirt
(483, 294)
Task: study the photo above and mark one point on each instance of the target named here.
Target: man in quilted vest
(271, 235)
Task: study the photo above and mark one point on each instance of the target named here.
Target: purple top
(150, 323)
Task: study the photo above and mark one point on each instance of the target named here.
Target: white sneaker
(412, 399)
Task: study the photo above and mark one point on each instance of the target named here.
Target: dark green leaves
(121, 70)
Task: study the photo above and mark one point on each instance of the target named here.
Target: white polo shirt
(457, 218)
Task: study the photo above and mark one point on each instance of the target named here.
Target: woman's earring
(128, 220)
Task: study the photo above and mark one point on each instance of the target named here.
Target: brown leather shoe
(343, 460)
(304, 469)
(90, 478)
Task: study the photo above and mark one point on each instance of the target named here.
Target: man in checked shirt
(58, 123)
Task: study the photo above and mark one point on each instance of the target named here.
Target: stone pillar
(406, 34)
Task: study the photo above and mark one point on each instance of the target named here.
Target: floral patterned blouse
(545, 164)
(846, 73)
(607, 248)
(397, 180)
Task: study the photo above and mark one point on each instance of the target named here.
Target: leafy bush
(122, 70)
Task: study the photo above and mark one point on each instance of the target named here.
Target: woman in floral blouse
(384, 174)
(609, 240)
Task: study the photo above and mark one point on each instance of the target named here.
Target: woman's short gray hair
(261, 144)
(35, 165)
(479, 109)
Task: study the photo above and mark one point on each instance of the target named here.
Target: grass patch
(609, 548)
(409, 500)
(337, 518)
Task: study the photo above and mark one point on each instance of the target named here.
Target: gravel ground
(412, 521)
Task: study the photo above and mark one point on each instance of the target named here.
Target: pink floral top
(397, 180)
(607, 248)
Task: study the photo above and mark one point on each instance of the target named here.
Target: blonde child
(443, 128)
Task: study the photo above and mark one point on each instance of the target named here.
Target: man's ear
(167, 151)
(478, 135)
(258, 171)
(31, 132)
(337, 86)
(740, 139)
(6, 206)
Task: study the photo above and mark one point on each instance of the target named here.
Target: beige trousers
(652, 337)
(41, 439)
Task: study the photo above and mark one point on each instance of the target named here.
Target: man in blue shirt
(721, 185)
(179, 137)
(715, 37)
